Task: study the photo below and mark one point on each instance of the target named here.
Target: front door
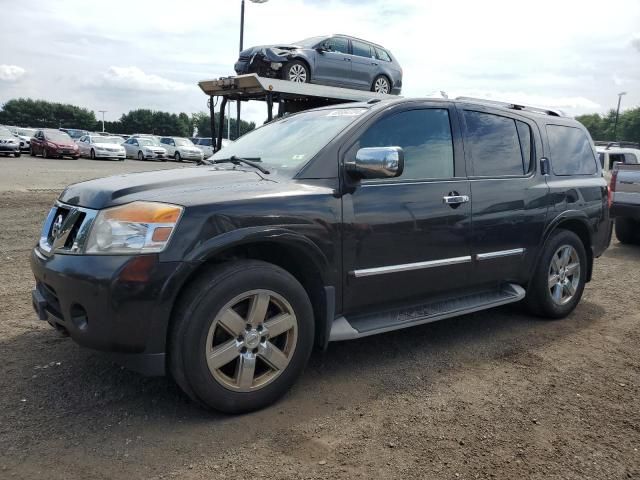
(333, 65)
(401, 241)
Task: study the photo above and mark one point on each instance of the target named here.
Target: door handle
(455, 199)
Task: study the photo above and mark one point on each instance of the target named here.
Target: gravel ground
(496, 394)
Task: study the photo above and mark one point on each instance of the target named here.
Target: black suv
(331, 224)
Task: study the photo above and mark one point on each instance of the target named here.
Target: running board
(438, 309)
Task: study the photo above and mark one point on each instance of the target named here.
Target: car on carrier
(334, 60)
(326, 225)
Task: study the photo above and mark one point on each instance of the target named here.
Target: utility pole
(103, 112)
(615, 125)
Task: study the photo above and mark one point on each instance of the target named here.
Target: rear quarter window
(571, 152)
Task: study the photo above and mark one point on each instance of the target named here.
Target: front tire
(177, 157)
(297, 72)
(241, 337)
(17, 154)
(558, 281)
(92, 154)
(627, 231)
(140, 156)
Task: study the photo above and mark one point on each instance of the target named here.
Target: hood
(63, 143)
(183, 186)
(108, 145)
(279, 46)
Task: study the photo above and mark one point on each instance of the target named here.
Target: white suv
(616, 152)
(181, 149)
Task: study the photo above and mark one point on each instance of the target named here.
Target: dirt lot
(491, 395)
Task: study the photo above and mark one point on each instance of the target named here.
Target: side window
(135, 142)
(526, 145)
(571, 152)
(630, 158)
(382, 55)
(338, 44)
(494, 144)
(361, 49)
(615, 157)
(164, 140)
(424, 135)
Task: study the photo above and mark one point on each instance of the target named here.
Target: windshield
(57, 136)
(309, 42)
(73, 133)
(183, 142)
(27, 132)
(289, 143)
(107, 140)
(147, 142)
(5, 133)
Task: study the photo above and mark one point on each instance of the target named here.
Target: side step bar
(437, 309)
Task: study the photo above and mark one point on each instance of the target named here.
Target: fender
(578, 215)
(248, 235)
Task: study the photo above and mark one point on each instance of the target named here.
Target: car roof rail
(622, 145)
(513, 106)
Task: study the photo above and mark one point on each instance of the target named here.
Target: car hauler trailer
(291, 96)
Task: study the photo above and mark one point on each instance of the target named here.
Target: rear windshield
(571, 151)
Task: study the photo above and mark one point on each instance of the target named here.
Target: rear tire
(381, 84)
(296, 71)
(558, 280)
(627, 231)
(214, 315)
(92, 154)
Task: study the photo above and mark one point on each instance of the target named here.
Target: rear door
(363, 64)
(333, 66)
(509, 193)
(401, 240)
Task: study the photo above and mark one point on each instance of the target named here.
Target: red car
(49, 142)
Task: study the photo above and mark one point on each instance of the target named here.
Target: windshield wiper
(238, 160)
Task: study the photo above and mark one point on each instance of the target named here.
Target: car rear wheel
(296, 71)
(140, 155)
(627, 230)
(17, 154)
(242, 335)
(558, 281)
(381, 85)
(177, 157)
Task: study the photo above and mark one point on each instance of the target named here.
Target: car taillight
(612, 187)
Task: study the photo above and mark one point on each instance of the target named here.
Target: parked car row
(76, 143)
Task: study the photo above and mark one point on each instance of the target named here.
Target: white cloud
(11, 73)
(635, 42)
(133, 78)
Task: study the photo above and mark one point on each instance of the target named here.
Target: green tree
(202, 121)
(25, 112)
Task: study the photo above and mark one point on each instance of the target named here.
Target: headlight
(138, 227)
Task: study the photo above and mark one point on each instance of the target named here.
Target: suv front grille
(66, 229)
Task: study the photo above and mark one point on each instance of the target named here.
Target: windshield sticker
(346, 112)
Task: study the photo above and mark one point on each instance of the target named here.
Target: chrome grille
(66, 229)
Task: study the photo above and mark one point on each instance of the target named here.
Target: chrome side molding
(367, 272)
(499, 254)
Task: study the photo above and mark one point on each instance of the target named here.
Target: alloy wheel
(381, 85)
(298, 74)
(564, 274)
(251, 340)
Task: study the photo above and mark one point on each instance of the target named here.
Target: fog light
(79, 316)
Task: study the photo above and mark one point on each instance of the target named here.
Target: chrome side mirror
(377, 162)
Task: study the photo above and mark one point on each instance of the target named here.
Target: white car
(616, 152)
(181, 149)
(98, 146)
(144, 148)
(24, 134)
(206, 145)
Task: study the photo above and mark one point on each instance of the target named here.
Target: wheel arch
(578, 223)
(304, 60)
(292, 252)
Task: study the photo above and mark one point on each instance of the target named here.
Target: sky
(122, 55)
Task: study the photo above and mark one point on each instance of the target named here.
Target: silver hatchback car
(335, 60)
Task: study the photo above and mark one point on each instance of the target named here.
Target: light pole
(615, 125)
(103, 112)
(241, 47)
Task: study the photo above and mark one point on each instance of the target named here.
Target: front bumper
(104, 154)
(192, 156)
(112, 303)
(9, 148)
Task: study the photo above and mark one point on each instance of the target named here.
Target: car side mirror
(377, 162)
(322, 48)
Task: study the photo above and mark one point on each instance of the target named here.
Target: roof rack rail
(622, 144)
(513, 106)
